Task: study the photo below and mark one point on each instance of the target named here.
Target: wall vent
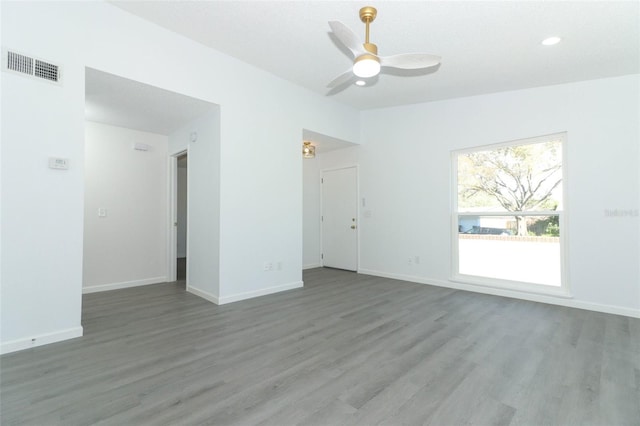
(26, 65)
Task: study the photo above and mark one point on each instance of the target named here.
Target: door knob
(353, 227)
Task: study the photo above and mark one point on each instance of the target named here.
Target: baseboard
(204, 294)
(311, 266)
(607, 309)
(552, 300)
(39, 340)
(262, 292)
(126, 284)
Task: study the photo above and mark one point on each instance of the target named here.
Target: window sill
(514, 286)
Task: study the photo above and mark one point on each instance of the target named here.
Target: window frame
(563, 289)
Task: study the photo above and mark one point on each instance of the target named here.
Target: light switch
(102, 212)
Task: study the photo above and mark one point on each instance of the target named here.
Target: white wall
(128, 246)
(310, 213)
(42, 209)
(405, 175)
(261, 119)
(182, 211)
(203, 211)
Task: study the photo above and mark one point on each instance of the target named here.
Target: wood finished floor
(345, 349)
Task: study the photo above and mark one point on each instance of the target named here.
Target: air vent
(46, 70)
(19, 63)
(33, 67)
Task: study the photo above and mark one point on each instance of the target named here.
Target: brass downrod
(367, 15)
(366, 38)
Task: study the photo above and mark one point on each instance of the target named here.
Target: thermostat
(58, 163)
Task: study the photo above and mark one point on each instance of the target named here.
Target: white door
(339, 218)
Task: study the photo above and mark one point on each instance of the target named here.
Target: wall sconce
(308, 150)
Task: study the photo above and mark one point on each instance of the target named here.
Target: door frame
(332, 169)
(172, 217)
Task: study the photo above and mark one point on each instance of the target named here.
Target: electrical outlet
(267, 266)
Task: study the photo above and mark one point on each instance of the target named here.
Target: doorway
(183, 123)
(181, 217)
(340, 218)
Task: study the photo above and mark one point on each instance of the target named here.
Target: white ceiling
(126, 103)
(485, 46)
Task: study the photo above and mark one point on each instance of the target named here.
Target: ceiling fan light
(308, 150)
(366, 66)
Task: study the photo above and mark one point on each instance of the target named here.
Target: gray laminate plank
(345, 349)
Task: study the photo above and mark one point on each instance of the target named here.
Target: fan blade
(342, 79)
(348, 38)
(410, 61)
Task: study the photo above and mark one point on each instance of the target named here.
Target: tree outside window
(517, 178)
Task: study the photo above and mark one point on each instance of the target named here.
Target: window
(508, 215)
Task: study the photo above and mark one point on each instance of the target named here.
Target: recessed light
(361, 83)
(550, 41)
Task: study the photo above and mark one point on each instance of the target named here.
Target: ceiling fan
(366, 62)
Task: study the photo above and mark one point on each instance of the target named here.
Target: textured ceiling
(126, 103)
(485, 46)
